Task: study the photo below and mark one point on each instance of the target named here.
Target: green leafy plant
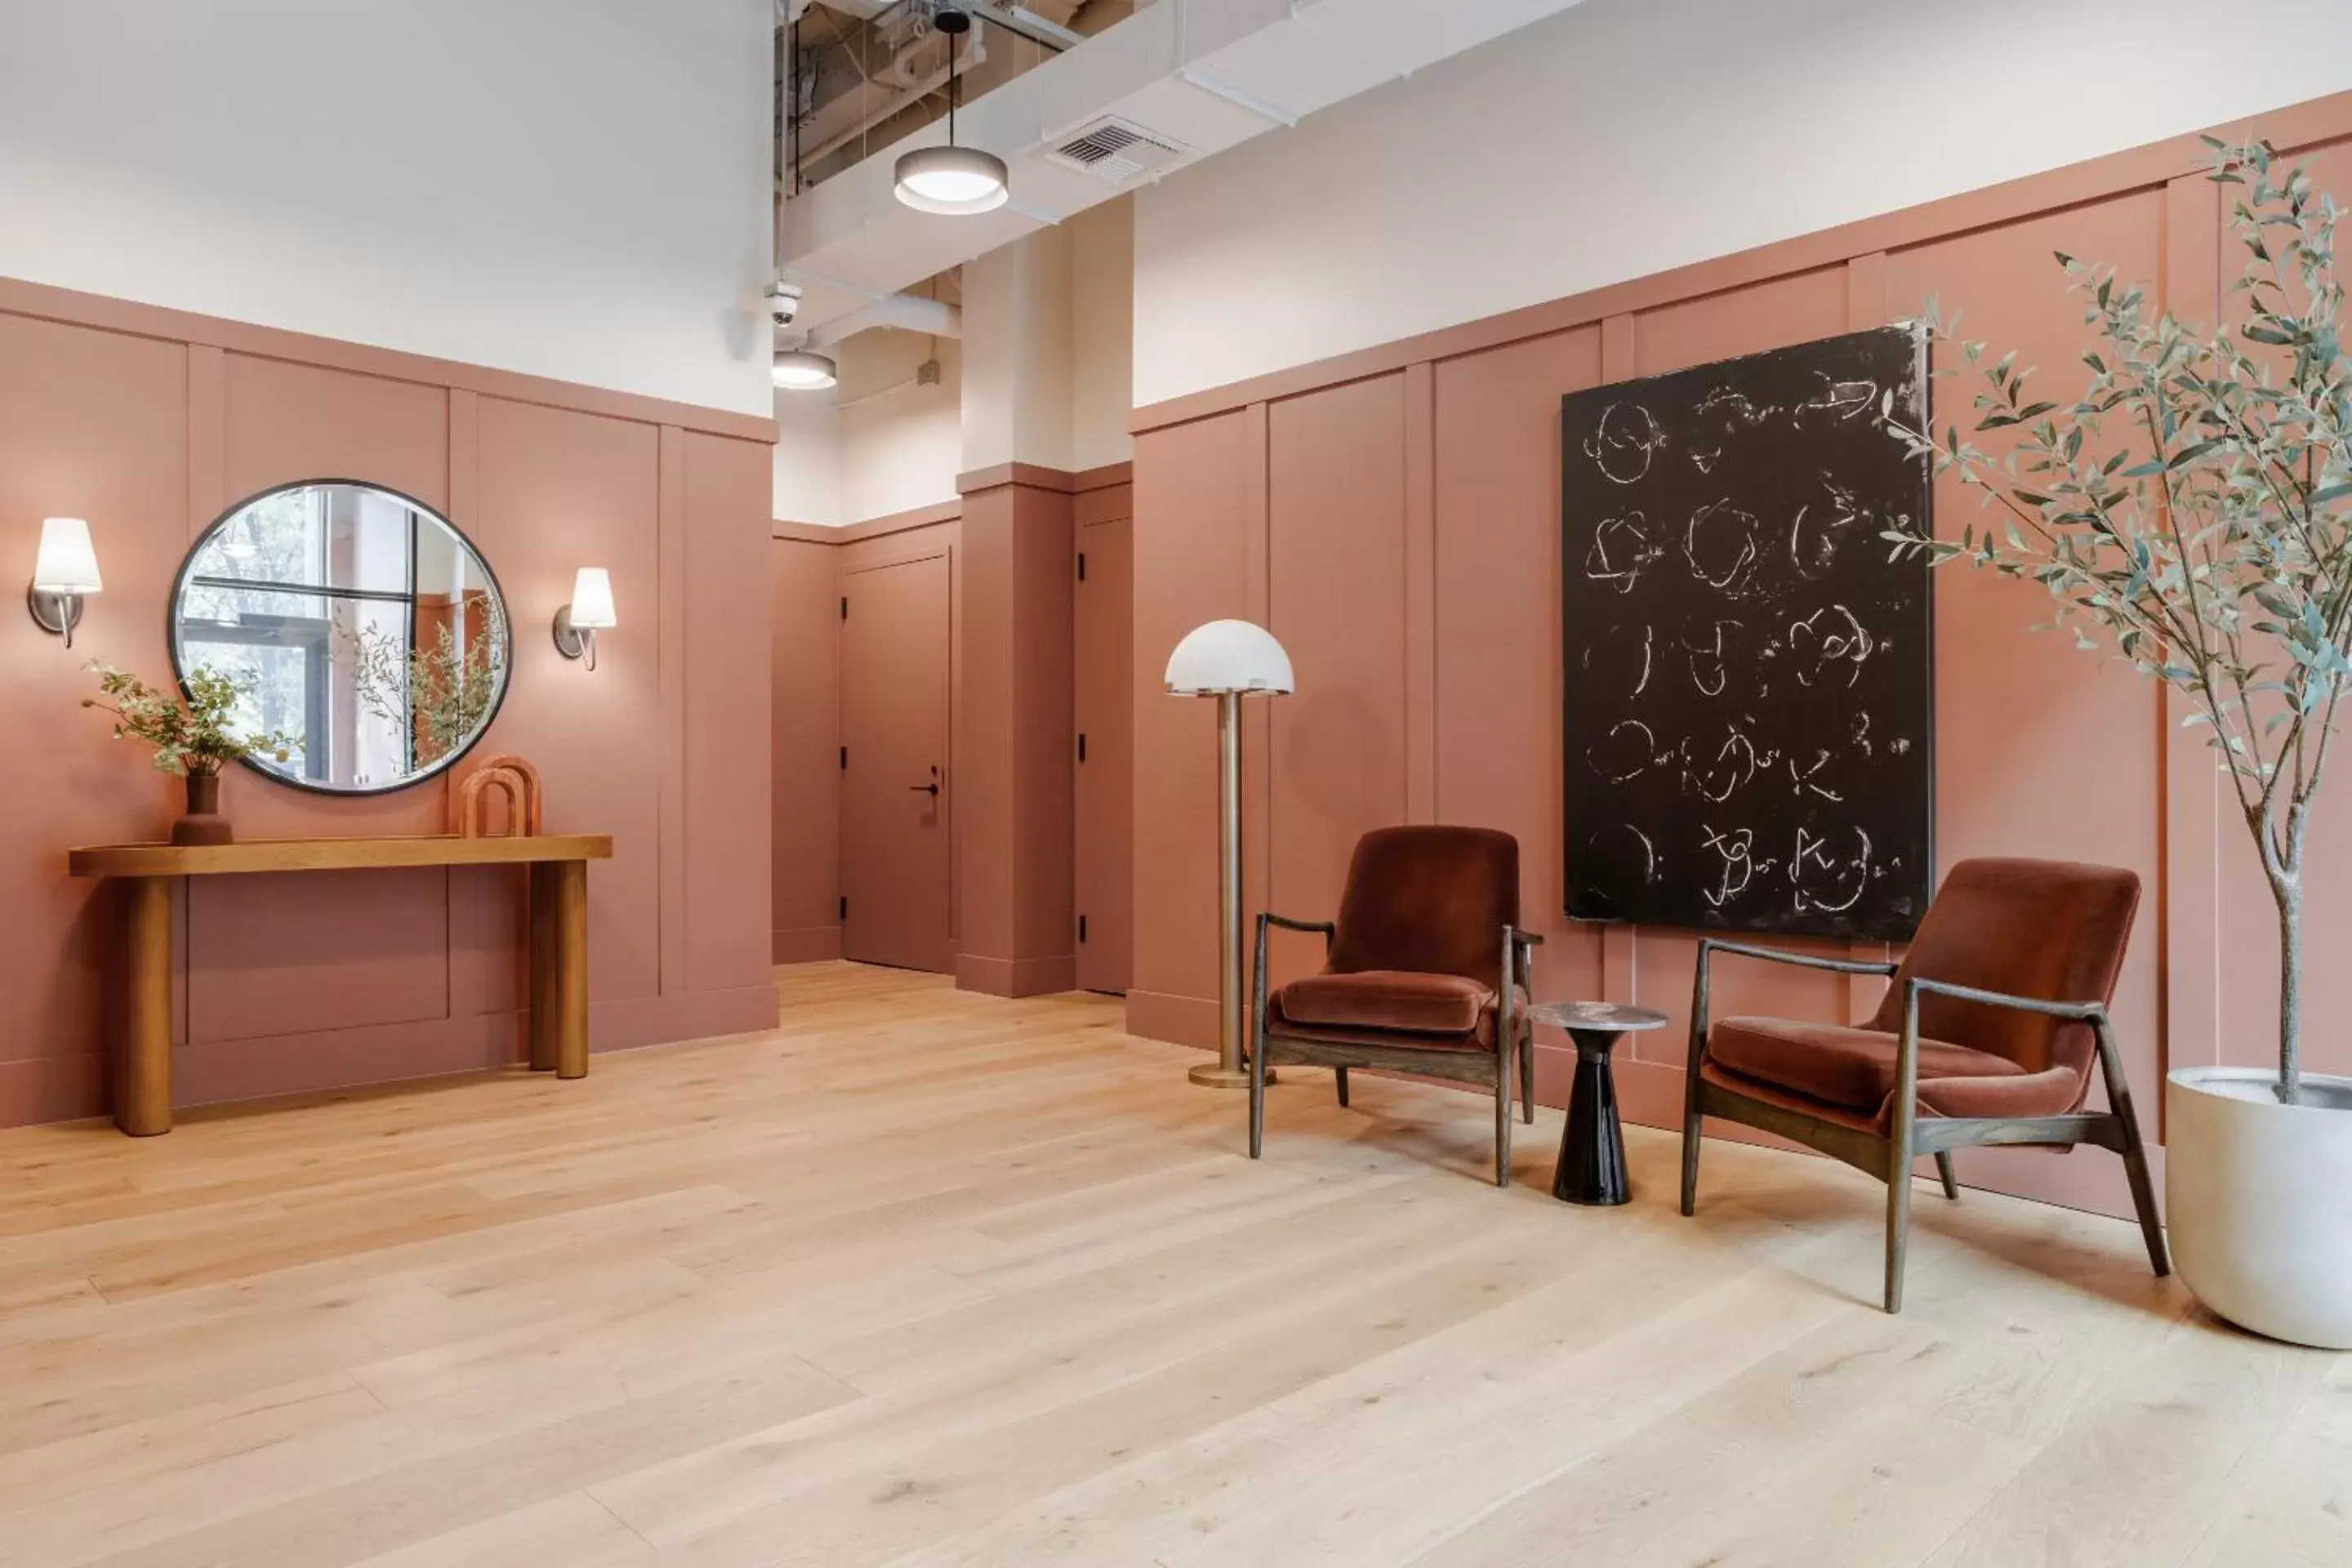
(192, 735)
(440, 693)
(2194, 504)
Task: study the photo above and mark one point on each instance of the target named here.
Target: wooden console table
(559, 936)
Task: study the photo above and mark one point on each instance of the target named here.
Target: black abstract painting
(1750, 684)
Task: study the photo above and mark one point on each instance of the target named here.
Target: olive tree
(2193, 509)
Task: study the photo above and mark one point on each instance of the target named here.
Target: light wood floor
(928, 1278)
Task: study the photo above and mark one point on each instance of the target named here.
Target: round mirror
(353, 617)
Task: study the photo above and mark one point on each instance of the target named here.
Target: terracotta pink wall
(1103, 678)
(151, 423)
(1016, 932)
(1393, 517)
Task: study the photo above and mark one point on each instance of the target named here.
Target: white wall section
(571, 188)
(1102, 333)
(1017, 325)
(1623, 137)
(879, 442)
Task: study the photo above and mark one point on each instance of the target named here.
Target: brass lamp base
(1214, 1075)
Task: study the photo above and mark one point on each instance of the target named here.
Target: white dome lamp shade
(952, 180)
(1226, 659)
(1229, 657)
(804, 370)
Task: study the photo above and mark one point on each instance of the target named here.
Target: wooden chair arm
(2083, 1012)
(1803, 959)
(1710, 946)
(1330, 928)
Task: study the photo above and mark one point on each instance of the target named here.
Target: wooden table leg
(143, 1088)
(559, 968)
(543, 1004)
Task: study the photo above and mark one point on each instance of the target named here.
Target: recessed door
(1106, 768)
(894, 785)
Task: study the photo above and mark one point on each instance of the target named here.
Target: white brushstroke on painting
(1852, 874)
(1707, 663)
(1648, 741)
(1726, 536)
(1829, 640)
(1622, 446)
(1840, 399)
(1619, 550)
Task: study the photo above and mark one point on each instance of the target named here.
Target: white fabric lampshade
(67, 562)
(1228, 656)
(592, 600)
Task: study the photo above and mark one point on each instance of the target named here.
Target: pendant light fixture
(951, 180)
(804, 370)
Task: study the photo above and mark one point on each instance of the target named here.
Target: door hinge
(1082, 746)
(1082, 565)
(844, 758)
(845, 906)
(845, 606)
(1082, 928)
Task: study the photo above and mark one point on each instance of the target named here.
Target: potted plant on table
(196, 737)
(2194, 505)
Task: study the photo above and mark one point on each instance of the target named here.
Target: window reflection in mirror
(356, 618)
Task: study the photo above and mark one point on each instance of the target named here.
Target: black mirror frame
(423, 775)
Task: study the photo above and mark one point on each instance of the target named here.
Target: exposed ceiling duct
(908, 313)
(1177, 82)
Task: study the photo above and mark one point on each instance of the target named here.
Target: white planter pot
(2258, 1199)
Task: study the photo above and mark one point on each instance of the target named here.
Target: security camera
(783, 302)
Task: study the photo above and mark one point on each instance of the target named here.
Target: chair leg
(1527, 1082)
(2142, 1191)
(1692, 1122)
(1258, 1099)
(1339, 1075)
(1944, 1170)
(1898, 1221)
(2151, 1228)
(1503, 1122)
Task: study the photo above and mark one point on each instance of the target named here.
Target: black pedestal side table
(1592, 1145)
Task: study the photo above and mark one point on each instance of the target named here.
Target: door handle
(932, 788)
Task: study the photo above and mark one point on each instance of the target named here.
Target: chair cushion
(2050, 1093)
(1388, 999)
(1849, 1067)
(1310, 1014)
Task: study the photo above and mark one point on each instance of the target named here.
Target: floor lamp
(1225, 659)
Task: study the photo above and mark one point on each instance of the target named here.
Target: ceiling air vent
(1115, 150)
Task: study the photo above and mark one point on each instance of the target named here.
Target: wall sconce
(64, 573)
(590, 611)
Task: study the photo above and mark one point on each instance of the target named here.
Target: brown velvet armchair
(1987, 1036)
(1426, 971)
